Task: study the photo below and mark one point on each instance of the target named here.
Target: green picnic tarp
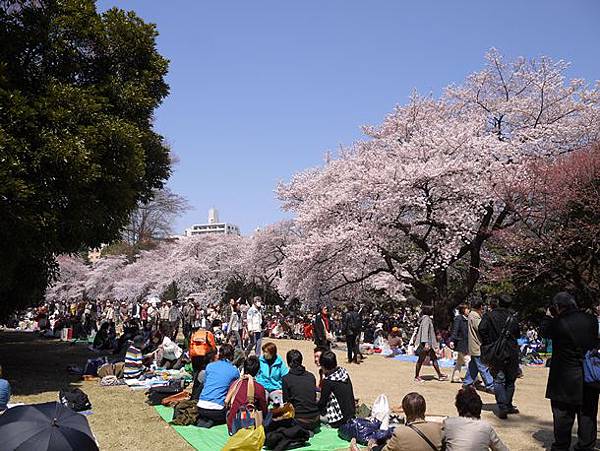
(216, 437)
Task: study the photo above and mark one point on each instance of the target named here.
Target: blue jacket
(271, 377)
(219, 376)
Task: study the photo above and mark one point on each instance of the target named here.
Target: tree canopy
(77, 148)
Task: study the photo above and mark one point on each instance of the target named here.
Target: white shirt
(254, 318)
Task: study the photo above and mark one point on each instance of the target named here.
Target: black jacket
(319, 332)
(572, 334)
(352, 323)
(300, 389)
(491, 326)
(344, 393)
(460, 334)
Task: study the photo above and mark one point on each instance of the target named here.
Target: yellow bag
(246, 440)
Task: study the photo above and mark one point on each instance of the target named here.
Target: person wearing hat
(505, 374)
(395, 342)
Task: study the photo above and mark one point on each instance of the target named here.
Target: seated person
(395, 342)
(218, 378)
(272, 370)
(406, 438)
(337, 403)
(317, 355)
(4, 393)
(468, 431)
(134, 365)
(171, 355)
(238, 393)
(101, 340)
(300, 390)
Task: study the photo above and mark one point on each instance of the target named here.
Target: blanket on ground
(216, 437)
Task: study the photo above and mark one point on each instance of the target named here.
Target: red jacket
(260, 400)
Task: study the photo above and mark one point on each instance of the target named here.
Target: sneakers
(502, 414)
(443, 377)
(419, 379)
(512, 410)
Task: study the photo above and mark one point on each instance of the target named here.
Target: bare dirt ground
(36, 369)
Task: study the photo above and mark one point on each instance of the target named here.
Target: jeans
(477, 366)
(256, 342)
(504, 390)
(564, 416)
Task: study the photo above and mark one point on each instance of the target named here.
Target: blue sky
(262, 89)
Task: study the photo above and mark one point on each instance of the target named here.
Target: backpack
(498, 353)
(202, 343)
(185, 413)
(75, 399)
(354, 322)
(247, 415)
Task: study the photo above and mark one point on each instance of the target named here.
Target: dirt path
(36, 369)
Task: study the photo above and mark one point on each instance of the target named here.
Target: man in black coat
(505, 373)
(351, 326)
(573, 333)
(459, 339)
(300, 390)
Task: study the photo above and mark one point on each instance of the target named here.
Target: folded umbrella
(49, 426)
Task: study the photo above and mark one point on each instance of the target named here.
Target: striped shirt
(133, 363)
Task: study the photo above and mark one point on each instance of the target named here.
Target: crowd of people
(232, 363)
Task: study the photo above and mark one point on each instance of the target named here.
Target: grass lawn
(36, 369)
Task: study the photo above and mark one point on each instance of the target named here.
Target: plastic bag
(381, 411)
(364, 430)
(246, 440)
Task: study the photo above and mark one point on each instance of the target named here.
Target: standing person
(4, 392)
(351, 327)
(300, 390)
(322, 328)
(572, 332)
(188, 316)
(235, 323)
(459, 340)
(163, 315)
(144, 314)
(505, 373)
(427, 344)
(254, 318)
(476, 365)
(174, 319)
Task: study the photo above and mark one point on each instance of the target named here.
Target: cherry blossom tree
(413, 206)
(557, 242)
(70, 283)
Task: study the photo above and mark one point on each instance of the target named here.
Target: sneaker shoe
(443, 377)
(513, 410)
(502, 414)
(419, 379)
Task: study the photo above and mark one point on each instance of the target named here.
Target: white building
(213, 226)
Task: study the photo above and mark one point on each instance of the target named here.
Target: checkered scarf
(333, 409)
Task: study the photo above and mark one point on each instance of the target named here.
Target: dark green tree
(77, 149)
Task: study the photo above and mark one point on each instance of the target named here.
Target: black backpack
(498, 353)
(354, 323)
(75, 399)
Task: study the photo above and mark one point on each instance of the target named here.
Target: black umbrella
(45, 427)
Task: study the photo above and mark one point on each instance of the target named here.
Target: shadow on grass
(35, 365)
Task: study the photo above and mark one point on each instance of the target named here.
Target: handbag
(498, 353)
(246, 440)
